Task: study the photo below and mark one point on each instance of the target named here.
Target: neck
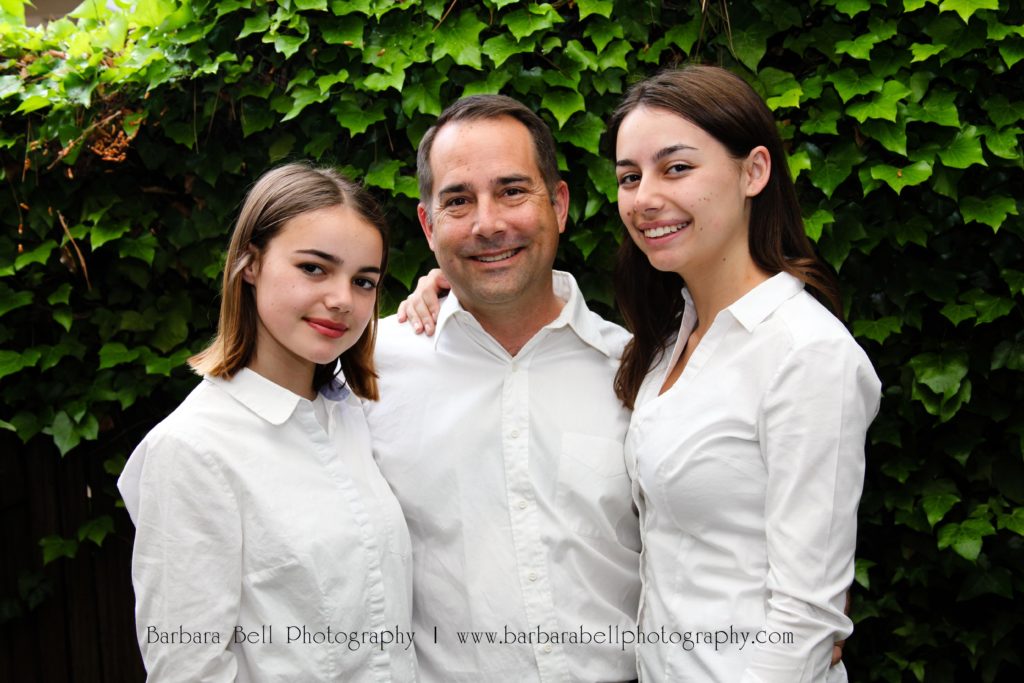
(716, 287)
(294, 374)
(513, 326)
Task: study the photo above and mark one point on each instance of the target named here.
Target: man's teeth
(665, 230)
(497, 257)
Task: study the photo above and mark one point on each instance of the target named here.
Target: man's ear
(426, 224)
(251, 267)
(757, 170)
(560, 200)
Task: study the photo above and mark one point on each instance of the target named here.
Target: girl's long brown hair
(278, 196)
(729, 110)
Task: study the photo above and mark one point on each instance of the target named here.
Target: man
(500, 434)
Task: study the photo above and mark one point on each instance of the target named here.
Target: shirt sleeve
(186, 562)
(812, 427)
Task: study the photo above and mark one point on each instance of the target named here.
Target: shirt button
(514, 434)
(532, 576)
(522, 505)
(547, 648)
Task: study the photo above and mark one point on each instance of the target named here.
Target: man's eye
(456, 201)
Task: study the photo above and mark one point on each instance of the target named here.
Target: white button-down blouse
(267, 548)
(747, 473)
(511, 475)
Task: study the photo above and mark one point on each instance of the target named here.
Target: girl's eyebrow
(659, 155)
(331, 258)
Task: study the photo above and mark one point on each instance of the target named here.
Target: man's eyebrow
(513, 179)
(331, 258)
(456, 188)
(659, 155)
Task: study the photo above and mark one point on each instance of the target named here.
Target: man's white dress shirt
(747, 473)
(511, 475)
(256, 525)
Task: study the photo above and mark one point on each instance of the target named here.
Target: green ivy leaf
(849, 83)
(347, 30)
(614, 56)
(957, 313)
(1002, 112)
(116, 353)
(502, 46)
(302, 97)
(11, 300)
(1003, 143)
(963, 150)
(1014, 279)
(898, 178)
(461, 41)
(827, 172)
(96, 529)
(892, 136)
(1012, 51)
(989, 306)
(490, 85)
(527, 21)
(860, 47)
(382, 174)
(877, 330)
(425, 96)
(583, 131)
(940, 372)
(63, 431)
(12, 361)
(966, 8)
(601, 172)
(750, 44)
(816, 222)
(965, 538)
(882, 105)
(860, 574)
(601, 32)
(562, 103)
(55, 547)
(992, 211)
(355, 117)
(586, 242)
(1013, 521)
(852, 8)
(924, 51)
(939, 502)
(257, 23)
(588, 7)
(939, 107)
(38, 254)
(142, 247)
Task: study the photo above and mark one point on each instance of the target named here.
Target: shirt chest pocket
(593, 492)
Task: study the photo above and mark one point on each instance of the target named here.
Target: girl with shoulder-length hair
(267, 544)
(751, 399)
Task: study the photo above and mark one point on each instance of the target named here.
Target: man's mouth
(500, 256)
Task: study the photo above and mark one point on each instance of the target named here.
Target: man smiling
(500, 434)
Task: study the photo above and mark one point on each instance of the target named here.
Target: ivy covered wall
(128, 139)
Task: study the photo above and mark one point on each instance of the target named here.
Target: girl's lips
(327, 328)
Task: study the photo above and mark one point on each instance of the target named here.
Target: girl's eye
(365, 283)
(629, 178)
(680, 168)
(311, 268)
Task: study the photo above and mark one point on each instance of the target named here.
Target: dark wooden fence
(83, 629)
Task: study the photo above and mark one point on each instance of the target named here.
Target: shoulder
(396, 340)
(614, 337)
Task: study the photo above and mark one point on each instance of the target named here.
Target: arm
(812, 427)
(186, 562)
(422, 306)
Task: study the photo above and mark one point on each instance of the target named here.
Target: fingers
(422, 307)
(837, 651)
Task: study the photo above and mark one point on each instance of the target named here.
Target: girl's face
(683, 198)
(315, 286)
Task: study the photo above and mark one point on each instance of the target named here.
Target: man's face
(490, 221)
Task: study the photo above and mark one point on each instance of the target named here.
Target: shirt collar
(760, 302)
(574, 313)
(271, 401)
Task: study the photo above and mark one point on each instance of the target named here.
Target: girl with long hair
(751, 399)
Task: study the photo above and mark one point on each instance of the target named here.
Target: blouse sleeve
(186, 563)
(812, 428)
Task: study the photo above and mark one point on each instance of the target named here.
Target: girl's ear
(757, 169)
(250, 265)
